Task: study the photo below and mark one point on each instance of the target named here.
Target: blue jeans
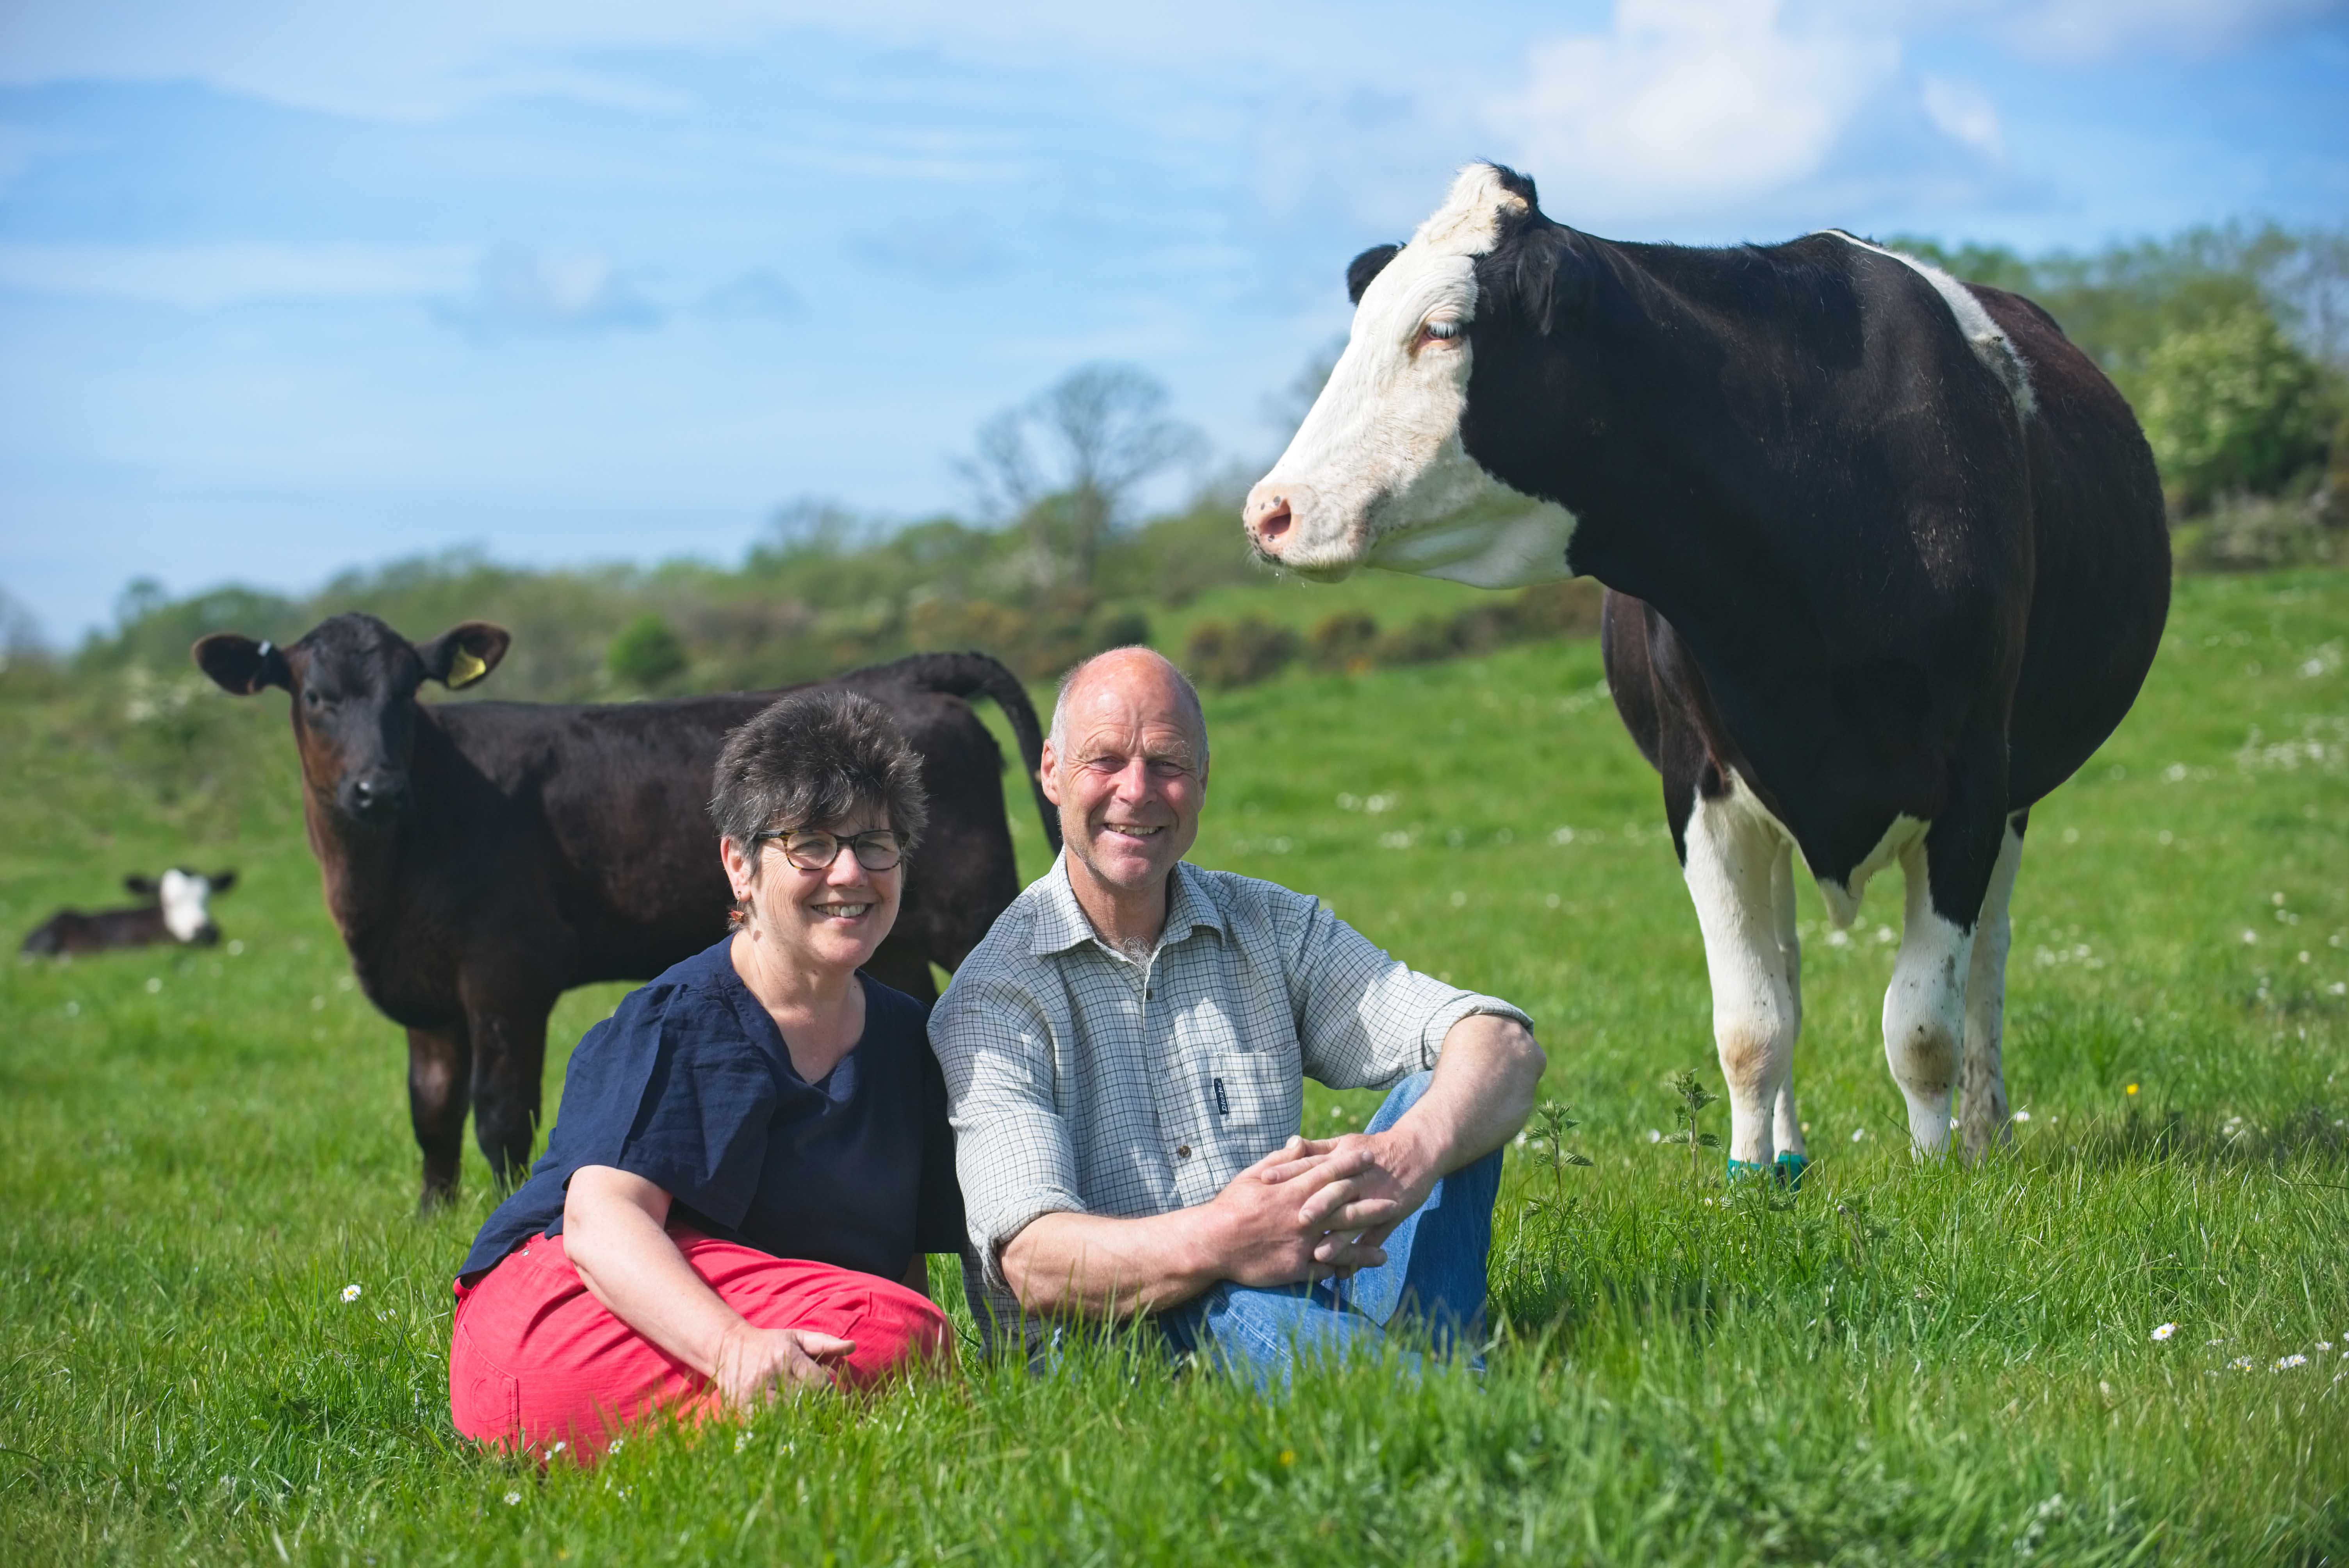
(1432, 1282)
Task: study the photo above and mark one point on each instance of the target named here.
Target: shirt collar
(1060, 923)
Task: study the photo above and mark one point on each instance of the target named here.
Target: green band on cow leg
(1746, 1170)
(1791, 1167)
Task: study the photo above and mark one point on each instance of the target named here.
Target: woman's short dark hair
(814, 760)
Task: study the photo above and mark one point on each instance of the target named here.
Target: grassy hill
(199, 1151)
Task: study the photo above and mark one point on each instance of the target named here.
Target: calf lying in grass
(176, 911)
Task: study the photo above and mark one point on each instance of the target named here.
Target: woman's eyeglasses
(813, 850)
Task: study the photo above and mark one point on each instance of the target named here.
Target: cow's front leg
(1732, 858)
(439, 1086)
(509, 1055)
(1925, 1006)
(1787, 1123)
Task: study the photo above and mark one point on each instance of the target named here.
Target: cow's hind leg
(1733, 858)
(439, 1087)
(1982, 1117)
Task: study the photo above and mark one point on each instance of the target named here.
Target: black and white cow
(1887, 556)
(178, 909)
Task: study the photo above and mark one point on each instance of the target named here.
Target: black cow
(177, 910)
(1888, 561)
(481, 858)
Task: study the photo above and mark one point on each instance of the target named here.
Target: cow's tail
(980, 675)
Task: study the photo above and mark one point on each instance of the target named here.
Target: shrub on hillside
(2256, 533)
(1423, 642)
(1342, 642)
(1238, 653)
(646, 654)
(2232, 406)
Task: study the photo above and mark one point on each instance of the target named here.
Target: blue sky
(283, 290)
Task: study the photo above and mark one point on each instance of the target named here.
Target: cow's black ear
(1366, 266)
(240, 665)
(144, 887)
(222, 881)
(1537, 276)
(464, 654)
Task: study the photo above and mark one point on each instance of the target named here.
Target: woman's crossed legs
(534, 1360)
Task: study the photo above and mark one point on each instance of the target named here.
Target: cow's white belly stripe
(1986, 337)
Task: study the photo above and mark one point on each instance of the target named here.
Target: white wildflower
(2241, 1364)
(2023, 1115)
(2165, 1331)
(2285, 1363)
(512, 1498)
(1857, 1134)
(350, 1294)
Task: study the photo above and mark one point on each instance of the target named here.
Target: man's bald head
(1143, 676)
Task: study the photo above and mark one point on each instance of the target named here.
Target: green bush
(1238, 653)
(2260, 533)
(2232, 406)
(646, 654)
(1342, 642)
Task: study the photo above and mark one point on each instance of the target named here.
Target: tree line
(2232, 344)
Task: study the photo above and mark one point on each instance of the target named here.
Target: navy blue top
(687, 1085)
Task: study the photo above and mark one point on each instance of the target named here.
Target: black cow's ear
(143, 886)
(1366, 266)
(464, 654)
(1537, 275)
(222, 881)
(240, 665)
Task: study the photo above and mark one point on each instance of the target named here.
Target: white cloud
(551, 289)
(2079, 30)
(426, 58)
(1960, 111)
(1687, 101)
(203, 275)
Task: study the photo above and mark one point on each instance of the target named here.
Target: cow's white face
(1376, 474)
(185, 896)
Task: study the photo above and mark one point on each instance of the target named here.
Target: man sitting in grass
(1124, 1058)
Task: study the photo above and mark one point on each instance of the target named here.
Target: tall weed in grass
(201, 1151)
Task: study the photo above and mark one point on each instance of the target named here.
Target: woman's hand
(753, 1365)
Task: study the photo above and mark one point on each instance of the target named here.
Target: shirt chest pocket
(1252, 1097)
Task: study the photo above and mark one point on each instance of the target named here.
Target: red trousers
(534, 1360)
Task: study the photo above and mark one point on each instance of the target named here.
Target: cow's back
(614, 801)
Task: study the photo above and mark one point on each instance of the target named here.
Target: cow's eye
(1439, 331)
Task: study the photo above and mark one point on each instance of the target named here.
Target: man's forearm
(1087, 1265)
(1481, 1093)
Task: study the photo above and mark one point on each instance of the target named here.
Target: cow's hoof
(1785, 1171)
(434, 1201)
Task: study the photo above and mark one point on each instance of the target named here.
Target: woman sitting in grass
(752, 1156)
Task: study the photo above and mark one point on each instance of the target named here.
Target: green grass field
(1908, 1364)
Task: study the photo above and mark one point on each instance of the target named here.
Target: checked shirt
(1080, 1081)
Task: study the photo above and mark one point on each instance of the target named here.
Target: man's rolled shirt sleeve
(1012, 1146)
(1363, 1018)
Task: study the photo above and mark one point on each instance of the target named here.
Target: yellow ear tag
(465, 667)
